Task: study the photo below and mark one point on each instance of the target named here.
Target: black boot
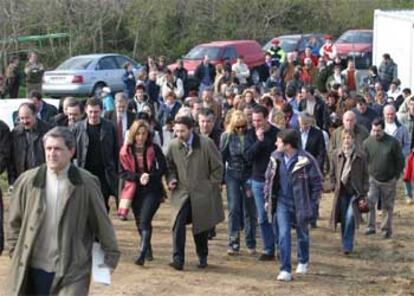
(149, 256)
(146, 235)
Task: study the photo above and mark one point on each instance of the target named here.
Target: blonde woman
(240, 201)
(143, 165)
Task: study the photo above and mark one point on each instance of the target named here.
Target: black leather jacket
(231, 148)
(20, 148)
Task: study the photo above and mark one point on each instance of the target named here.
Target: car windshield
(355, 37)
(289, 44)
(199, 52)
(75, 64)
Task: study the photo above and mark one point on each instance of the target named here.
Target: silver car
(86, 75)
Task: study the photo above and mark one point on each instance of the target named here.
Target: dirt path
(377, 267)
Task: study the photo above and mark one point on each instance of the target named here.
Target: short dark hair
(407, 91)
(378, 121)
(36, 95)
(76, 103)
(309, 89)
(143, 116)
(261, 109)
(31, 107)
(287, 108)
(386, 56)
(187, 121)
(140, 86)
(206, 112)
(290, 91)
(267, 101)
(92, 101)
(360, 100)
(290, 136)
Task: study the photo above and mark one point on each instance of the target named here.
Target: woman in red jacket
(142, 167)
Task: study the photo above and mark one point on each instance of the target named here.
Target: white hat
(106, 89)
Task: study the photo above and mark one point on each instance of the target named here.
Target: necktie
(120, 130)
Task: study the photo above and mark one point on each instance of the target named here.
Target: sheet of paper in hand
(100, 272)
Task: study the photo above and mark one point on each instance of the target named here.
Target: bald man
(349, 123)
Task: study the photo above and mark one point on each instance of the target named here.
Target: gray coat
(199, 174)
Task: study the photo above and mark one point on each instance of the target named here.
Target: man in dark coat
(208, 128)
(4, 160)
(44, 110)
(315, 106)
(96, 148)
(312, 141)
(195, 171)
(26, 140)
(120, 117)
(205, 74)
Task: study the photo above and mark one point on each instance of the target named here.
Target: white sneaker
(302, 268)
(284, 276)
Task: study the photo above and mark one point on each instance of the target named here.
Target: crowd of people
(269, 145)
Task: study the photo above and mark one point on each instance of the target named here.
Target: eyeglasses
(241, 127)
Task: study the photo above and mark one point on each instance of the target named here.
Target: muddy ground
(377, 267)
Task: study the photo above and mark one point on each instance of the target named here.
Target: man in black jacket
(44, 110)
(313, 142)
(121, 117)
(205, 74)
(4, 160)
(260, 143)
(96, 148)
(26, 140)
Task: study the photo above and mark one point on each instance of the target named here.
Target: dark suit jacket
(111, 115)
(48, 112)
(315, 145)
(321, 113)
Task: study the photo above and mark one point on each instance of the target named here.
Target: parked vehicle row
(87, 74)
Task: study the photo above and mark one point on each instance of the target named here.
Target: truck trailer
(394, 34)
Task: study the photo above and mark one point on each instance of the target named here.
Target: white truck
(394, 34)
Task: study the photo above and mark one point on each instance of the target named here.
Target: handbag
(362, 204)
(361, 201)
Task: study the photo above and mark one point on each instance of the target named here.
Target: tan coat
(82, 219)
(359, 178)
(199, 175)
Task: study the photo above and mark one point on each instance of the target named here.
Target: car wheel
(97, 90)
(255, 76)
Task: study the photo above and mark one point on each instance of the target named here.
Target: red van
(218, 51)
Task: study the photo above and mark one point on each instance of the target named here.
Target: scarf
(348, 164)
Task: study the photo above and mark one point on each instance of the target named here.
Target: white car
(86, 75)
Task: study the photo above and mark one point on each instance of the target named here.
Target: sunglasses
(240, 127)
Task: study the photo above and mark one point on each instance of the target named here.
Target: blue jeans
(347, 223)
(242, 210)
(266, 230)
(286, 216)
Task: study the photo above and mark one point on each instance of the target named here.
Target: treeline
(140, 28)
